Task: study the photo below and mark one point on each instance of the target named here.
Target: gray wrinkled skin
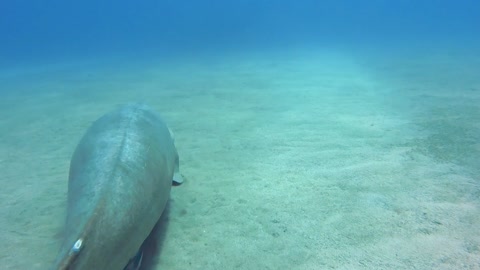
(120, 179)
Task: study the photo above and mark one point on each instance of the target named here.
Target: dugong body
(119, 183)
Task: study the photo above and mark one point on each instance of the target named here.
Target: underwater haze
(36, 29)
(311, 134)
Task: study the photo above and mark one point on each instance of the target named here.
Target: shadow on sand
(152, 246)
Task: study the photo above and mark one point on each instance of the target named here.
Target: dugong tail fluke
(119, 183)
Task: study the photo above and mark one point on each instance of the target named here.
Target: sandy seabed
(306, 159)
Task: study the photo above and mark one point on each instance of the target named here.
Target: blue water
(312, 134)
(57, 29)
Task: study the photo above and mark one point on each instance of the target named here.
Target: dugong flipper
(119, 183)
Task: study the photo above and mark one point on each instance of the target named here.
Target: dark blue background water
(34, 29)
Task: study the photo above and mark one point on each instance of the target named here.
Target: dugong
(119, 183)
